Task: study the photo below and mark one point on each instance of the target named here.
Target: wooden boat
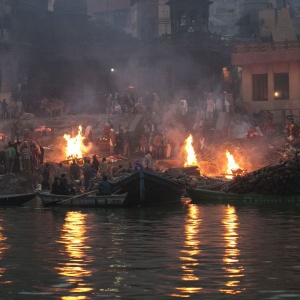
(16, 199)
(149, 189)
(210, 196)
(91, 200)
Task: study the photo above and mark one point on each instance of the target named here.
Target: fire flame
(231, 165)
(74, 144)
(191, 159)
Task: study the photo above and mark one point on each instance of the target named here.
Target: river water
(189, 251)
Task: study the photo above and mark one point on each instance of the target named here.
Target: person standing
(210, 107)
(10, 154)
(74, 170)
(151, 144)
(34, 157)
(103, 169)
(112, 141)
(41, 155)
(56, 187)
(127, 144)
(26, 156)
(219, 105)
(143, 143)
(4, 106)
(59, 170)
(157, 142)
(148, 161)
(46, 178)
(95, 163)
(227, 102)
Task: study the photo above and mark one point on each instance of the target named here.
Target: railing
(259, 47)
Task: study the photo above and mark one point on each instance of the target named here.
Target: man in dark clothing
(74, 170)
(4, 106)
(46, 178)
(95, 163)
(66, 189)
(104, 187)
(56, 188)
(41, 155)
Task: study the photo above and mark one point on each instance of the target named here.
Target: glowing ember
(43, 128)
(191, 159)
(74, 145)
(231, 165)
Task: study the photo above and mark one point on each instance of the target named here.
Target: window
(281, 86)
(260, 87)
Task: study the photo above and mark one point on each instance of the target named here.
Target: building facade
(224, 15)
(22, 24)
(270, 74)
(115, 12)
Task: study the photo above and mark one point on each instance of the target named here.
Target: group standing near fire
(153, 141)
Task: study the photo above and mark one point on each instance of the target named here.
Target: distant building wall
(270, 60)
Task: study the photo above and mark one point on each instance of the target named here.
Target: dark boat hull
(82, 201)
(208, 196)
(149, 189)
(16, 199)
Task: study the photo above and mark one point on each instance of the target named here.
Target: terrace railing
(273, 46)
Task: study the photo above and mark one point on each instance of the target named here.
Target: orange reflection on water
(74, 238)
(189, 254)
(3, 248)
(233, 271)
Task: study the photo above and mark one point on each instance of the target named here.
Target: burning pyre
(233, 169)
(74, 145)
(191, 158)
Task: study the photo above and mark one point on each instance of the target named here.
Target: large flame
(74, 144)
(231, 165)
(191, 159)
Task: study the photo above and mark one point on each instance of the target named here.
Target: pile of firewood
(279, 179)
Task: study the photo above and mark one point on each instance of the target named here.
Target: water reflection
(189, 255)
(3, 248)
(74, 240)
(233, 271)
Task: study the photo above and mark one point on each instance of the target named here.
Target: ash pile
(279, 179)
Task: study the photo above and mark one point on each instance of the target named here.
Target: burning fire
(191, 159)
(231, 165)
(74, 145)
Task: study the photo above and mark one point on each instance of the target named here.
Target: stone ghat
(280, 179)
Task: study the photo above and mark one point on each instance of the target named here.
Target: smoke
(240, 129)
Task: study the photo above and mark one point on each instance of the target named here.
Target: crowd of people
(90, 176)
(153, 141)
(11, 108)
(20, 156)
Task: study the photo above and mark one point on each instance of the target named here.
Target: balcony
(251, 53)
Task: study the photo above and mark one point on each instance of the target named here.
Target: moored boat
(149, 189)
(211, 196)
(16, 199)
(90, 200)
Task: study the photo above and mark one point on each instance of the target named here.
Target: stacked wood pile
(19, 183)
(190, 176)
(279, 179)
(181, 175)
